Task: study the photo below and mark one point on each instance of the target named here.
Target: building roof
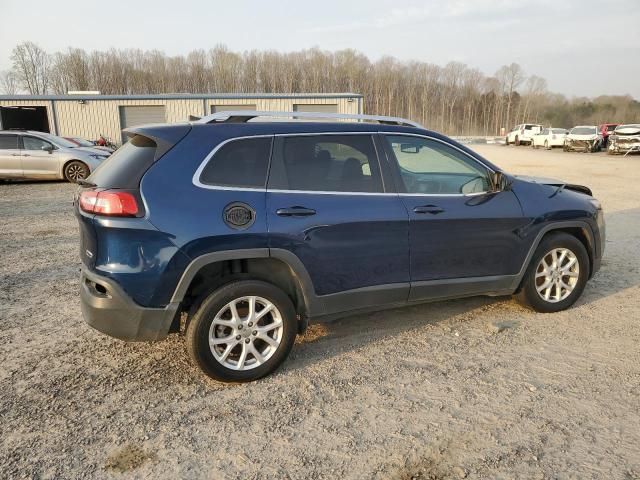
(183, 96)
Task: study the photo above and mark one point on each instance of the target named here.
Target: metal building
(89, 116)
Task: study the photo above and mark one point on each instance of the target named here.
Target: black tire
(197, 334)
(517, 141)
(528, 294)
(75, 170)
(506, 140)
(546, 145)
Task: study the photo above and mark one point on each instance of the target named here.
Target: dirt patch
(127, 457)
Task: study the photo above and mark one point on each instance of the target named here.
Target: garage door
(132, 116)
(309, 107)
(232, 108)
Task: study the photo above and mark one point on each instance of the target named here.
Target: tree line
(454, 99)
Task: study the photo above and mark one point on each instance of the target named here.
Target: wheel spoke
(266, 338)
(569, 264)
(227, 351)
(243, 356)
(263, 312)
(545, 285)
(222, 340)
(558, 293)
(252, 308)
(270, 326)
(234, 311)
(561, 258)
(256, 354)
(224, 323)
(570, 274)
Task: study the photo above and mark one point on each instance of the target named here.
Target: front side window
(326, 163)
(434, 168)
(8, 142)
(239, 163)
(33, 143)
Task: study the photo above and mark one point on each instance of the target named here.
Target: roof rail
(243, 116)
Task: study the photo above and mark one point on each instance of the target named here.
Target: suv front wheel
(557, 274)
(242, 331)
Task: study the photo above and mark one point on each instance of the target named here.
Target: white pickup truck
(523, 134)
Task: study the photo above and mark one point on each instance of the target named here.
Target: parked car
(549, 138)
(605, 130)
(26, 154)
(624, 139)
(250, 230)
(523, 134)
(81, 142)
(585, 138)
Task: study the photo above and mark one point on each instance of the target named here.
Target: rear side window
(239, 163)
(33, 143)
(8, 142)
(126, 166)
(326, 163)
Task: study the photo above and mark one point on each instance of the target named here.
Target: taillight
(109, 202)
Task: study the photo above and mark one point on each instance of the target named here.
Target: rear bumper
(108, 309)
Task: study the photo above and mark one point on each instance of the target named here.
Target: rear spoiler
(165, 135)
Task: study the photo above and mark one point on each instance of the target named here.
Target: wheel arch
(278, 267)
(579, 229)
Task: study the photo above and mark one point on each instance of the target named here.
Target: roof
(183, 96)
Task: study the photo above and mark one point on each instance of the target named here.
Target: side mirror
(47, 148)
(499, 182)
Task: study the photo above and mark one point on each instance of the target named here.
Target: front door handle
(16, 155)
(432, 209)
(295, 212)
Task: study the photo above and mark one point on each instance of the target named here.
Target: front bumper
(108, 309)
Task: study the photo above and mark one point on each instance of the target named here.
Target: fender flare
(550, 228)
(298, 270)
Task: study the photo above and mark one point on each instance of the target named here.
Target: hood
(555, 183)
(627, 130)
(573, 136)
(92, 151)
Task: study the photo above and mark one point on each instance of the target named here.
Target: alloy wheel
(557, 275)
(245, 333)
(75, 172)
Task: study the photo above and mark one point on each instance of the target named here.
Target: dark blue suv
(239, 233)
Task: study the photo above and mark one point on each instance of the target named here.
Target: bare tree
(8, 82)
(31, 65)
(510, 78)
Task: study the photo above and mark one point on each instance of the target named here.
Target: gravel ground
(475, 388)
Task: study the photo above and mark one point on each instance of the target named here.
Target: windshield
(58, 141)
(559, 131)
(584, 131)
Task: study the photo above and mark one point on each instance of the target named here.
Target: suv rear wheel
(242, 331)
(556, 275)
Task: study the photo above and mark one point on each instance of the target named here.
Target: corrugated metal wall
(91, 118)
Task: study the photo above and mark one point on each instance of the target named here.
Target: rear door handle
(432, 209)
(295, 212)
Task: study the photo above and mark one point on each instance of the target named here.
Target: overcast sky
(582, 47)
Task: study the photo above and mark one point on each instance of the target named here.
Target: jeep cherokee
(238, 232)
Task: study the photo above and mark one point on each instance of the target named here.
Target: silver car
(32, 155)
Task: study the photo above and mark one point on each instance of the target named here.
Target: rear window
(126, 166)
(611, 128)
(584, 131)
(239, 163)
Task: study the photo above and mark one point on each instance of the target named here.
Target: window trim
(388, 190)
(196, 176)
(371, 135)
(395, 166)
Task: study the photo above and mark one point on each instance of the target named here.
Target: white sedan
(549, 138)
